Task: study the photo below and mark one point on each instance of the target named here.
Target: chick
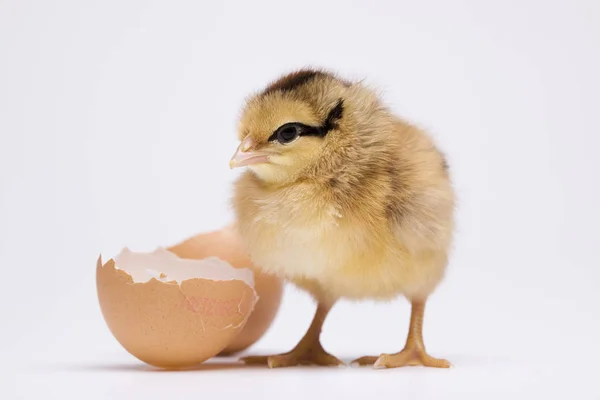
(344, 199)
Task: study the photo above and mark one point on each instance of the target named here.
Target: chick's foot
(307, 352)
(414, 352)
(302, 355)
(410, 356)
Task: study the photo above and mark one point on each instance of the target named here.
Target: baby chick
(345, 200)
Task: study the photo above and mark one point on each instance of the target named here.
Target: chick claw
(314, 355)
(411, 356)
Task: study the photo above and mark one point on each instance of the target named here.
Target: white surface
(117, 123)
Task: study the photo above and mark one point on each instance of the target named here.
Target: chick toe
(362, 361)
(410, 357)
(313, 355)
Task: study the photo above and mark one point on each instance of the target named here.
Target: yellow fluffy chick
(345, 200)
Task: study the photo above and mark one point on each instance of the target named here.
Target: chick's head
(288, 129)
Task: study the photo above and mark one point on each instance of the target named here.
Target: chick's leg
(414, 352)
(308, 351)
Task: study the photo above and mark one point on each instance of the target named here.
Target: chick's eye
(287, 134)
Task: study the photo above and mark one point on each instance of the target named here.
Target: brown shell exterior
(169, 325)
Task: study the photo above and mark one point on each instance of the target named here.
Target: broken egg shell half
(171, 312)
(227, 245)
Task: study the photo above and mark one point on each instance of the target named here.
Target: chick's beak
(245, 156)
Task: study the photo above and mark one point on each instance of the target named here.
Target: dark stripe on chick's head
(330, 123)
(334, 116)
(293, 80)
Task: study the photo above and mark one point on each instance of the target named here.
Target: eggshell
(227, 245)
(170, 312)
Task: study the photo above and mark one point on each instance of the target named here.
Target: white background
(117, 122)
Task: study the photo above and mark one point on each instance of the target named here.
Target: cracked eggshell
(227, 245)
(170, 312)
